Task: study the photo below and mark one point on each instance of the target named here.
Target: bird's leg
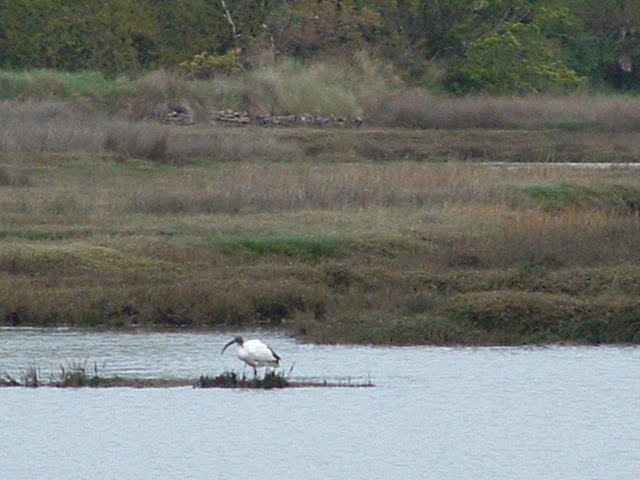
(255, 372)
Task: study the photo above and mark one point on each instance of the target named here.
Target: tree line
(460, 46)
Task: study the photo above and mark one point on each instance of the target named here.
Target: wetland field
(373, 235)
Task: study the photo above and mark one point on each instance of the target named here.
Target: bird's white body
(255, 353)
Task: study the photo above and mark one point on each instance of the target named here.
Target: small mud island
(78, 377)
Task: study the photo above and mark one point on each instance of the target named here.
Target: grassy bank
(371, 235)
(362, 88)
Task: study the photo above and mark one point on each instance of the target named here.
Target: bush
(204, 65)
(517, 59)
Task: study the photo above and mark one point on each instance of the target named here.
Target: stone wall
(232, 118)
(183, 115)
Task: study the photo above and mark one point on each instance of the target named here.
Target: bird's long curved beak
(228, 345)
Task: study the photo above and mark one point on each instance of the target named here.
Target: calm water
(439, 413)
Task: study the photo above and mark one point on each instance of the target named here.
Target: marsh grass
(73, 374)
(54, 85)
(41, 128)
(319, 89)
(35, 127)
(603, 198)
(6, 380)
(30, 376)
(271, 380)
(286, 87)
(538, 317)
(233, 380)
(420, 109)
(45, 128)
(79, 374)
(134, 99)
(147, 143)
(9, 178)
(432, 329)
(374, 236)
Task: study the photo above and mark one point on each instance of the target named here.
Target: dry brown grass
(419, 109)
(36, 128)
(47, 127)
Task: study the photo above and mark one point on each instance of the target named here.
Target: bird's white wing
(260, 352)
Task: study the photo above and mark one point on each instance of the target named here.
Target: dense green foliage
(497, 46)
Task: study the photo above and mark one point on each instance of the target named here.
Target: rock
(230, 118)
(179, 114)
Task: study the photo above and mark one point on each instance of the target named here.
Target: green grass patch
(80, 87)
(563, 195)
(300, 247)
(614, 198)
(570, 124)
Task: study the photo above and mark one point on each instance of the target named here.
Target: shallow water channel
(440, 413)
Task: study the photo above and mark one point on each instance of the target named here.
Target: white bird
(254, 353)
